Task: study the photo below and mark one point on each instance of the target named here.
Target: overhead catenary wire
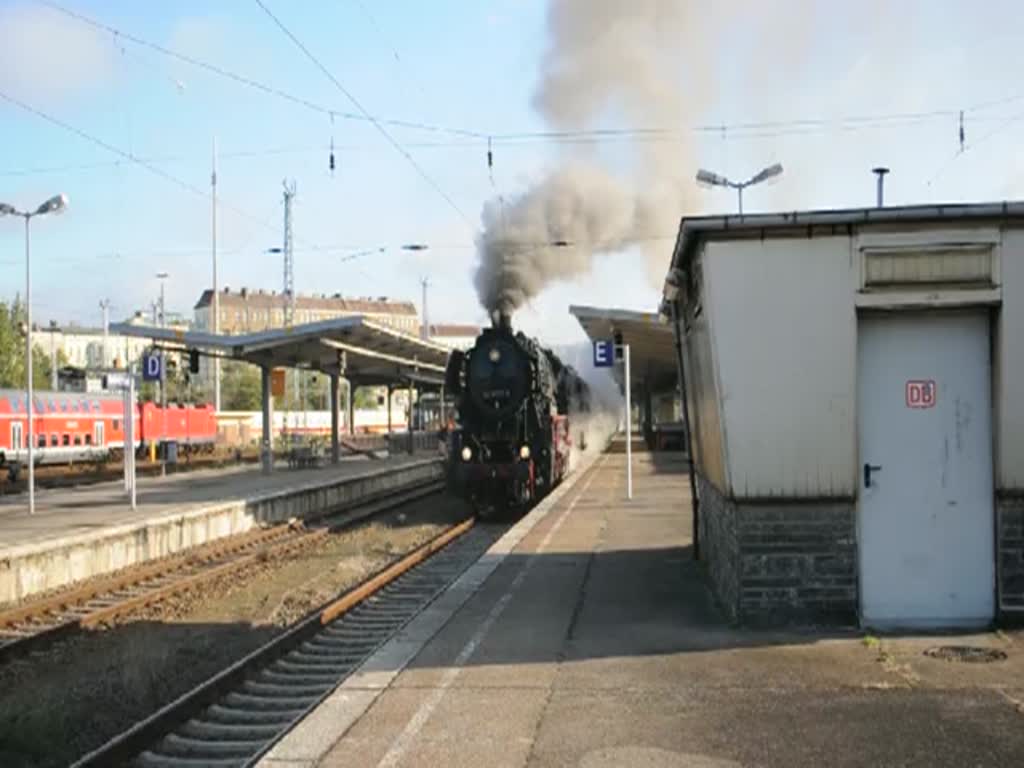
(245, 80)
(153, 169)
(764, 128)
(963, 148)
(376, 123)
(414, 82)
(471, 144)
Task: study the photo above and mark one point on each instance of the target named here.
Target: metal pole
(425, 330)
(28, 366)
(215, 304)
(335, 442)
(105, 306)
(131, 420)
(53, 358)
(739, 189)
(411, 446)
(629, 432)
(163, 390)
(351, 403)
(267, 453)
(880, 192)
(126, 440)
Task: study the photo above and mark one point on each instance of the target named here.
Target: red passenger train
(76, 426)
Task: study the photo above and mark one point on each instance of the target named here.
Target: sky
(827, 92)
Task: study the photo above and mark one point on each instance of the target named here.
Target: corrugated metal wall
(702, 400)
(784, 331)
(1009, 375)
(771, 358)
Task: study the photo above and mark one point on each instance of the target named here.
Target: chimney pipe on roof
(880, 172)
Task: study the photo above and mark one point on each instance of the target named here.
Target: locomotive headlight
(494, 355)
(524, 452)
(467, 453)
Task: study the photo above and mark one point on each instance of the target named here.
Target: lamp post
(55, 204)
(707, 178)
(162, 277)
(424, 284)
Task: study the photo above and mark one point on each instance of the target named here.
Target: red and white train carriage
(77, 426)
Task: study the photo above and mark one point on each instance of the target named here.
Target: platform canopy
(652, 357)
(362, 351)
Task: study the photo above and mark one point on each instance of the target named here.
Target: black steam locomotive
(513, 399)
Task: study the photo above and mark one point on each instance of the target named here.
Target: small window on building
(115, 424)
(78, 439)
(88, 439)
(65, 439)
(41, 442)
(54, 440)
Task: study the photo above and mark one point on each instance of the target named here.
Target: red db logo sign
(921, 393)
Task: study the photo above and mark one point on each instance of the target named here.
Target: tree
(12, 350)
(240, 386)
(366, 397)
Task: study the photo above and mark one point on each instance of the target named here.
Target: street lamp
(55, 204)
(162, 276)
(709, 179)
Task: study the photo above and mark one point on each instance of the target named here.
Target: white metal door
(16, 435)
(926, 520)
(98, 433)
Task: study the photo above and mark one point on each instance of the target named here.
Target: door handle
(868, 469)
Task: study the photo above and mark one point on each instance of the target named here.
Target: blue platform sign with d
(604, 353)
(151, 364)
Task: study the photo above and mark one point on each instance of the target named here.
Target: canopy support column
(266, 444)
(335, 418)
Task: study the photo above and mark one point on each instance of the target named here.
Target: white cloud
(45, 55)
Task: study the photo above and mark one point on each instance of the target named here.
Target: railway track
(233, 718)
(34, 625)
(90, 473)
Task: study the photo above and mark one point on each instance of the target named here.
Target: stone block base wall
(1010, 519)
(785, 561)
(719, 545)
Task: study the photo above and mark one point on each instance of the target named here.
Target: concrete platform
(590, 639)
(81, 532)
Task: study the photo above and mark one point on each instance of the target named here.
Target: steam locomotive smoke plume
(606, 60)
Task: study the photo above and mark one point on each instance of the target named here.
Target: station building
(248, 311)
(453, 335)
(855, 390)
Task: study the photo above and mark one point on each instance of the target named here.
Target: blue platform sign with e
(604, 353)
(151, 366)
